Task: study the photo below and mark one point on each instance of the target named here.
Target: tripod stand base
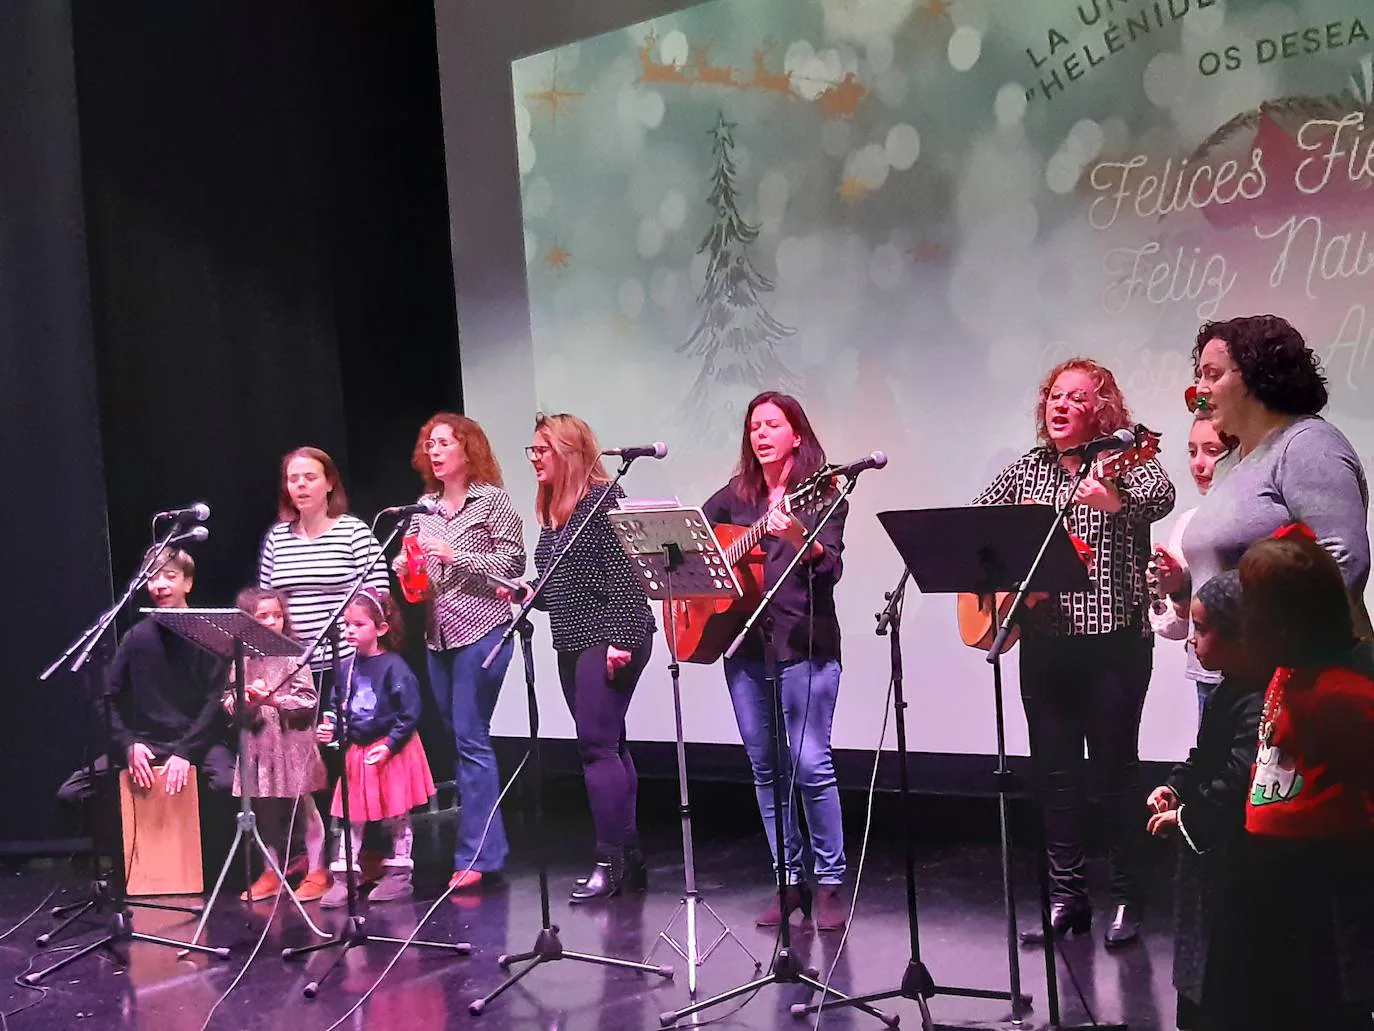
(120, 934)
(691, 955)
(548, 949)
(100, 897)
(918, 986)
(353, 935)
(786, 969)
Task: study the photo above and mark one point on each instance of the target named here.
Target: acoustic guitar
(980, 615)
(705, 628)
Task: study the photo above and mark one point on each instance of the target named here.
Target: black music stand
(677, 557)
(985, 549)
(234, 634)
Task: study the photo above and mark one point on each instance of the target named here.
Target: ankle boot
(1125, 926)
(1065, 917)
(636, 870)
(831, 913)
(604, 881)
(798, 896)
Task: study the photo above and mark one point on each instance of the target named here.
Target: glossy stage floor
(961, 924)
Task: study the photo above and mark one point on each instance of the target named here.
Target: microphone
(196, 533)
(874, 461)
(425, 506)
(1118, 441)
(197, 510)
(658, 449)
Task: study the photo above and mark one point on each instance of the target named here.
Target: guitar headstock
(1146, 447)
(812, 493)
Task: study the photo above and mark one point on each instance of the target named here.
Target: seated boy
(165, 694)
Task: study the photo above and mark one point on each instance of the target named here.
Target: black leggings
(1078, 690)
(598, 706)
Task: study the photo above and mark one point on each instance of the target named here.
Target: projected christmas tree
(735, 336)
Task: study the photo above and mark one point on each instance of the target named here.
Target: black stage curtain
(266, 236)
(269, 255)
(57, 568)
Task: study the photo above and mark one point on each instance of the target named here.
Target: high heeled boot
(605, 879)
(636, 877)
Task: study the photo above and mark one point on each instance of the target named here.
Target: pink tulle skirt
(391, 788)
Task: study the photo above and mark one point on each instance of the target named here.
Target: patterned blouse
(1120, 541)
(594, 597)
(486, 536)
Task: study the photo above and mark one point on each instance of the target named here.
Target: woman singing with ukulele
(778, 452)
(473, 531)
(1086, 657)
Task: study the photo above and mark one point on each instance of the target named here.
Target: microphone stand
(1004, 776)
(785, 968)
(548, 948)
(109, 892)
(354, 931)
(917, 982)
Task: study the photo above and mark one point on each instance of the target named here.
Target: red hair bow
(1194, 403)
(1300, 531)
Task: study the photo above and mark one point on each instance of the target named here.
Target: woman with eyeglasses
(603, 633)
(1086, 656)
(474, 531)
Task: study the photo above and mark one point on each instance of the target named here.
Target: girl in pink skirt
(373, 709)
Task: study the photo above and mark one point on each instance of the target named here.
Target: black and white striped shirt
(316, 573)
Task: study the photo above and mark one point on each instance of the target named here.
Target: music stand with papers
(234, 634)
(677, 557)
(987, 549)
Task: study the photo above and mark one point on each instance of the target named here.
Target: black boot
(1064, 917)
(1125, 926)
(636, 876)
(604, 881)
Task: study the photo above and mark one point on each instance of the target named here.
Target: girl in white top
(1169, 618)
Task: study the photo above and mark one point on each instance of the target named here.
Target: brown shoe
(798, 897)
(831, 912)
(263, 888)
(465, 880)
(315, 884)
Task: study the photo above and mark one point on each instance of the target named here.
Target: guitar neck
(746, 541)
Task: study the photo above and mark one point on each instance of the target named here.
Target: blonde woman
(603, 632)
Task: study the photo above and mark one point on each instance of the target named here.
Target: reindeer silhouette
(652, 71)
(773, 82)
(715, 75)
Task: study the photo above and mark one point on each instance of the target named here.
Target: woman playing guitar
(779, 450)
(1086, 657)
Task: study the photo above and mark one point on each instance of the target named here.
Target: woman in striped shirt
(317, 549)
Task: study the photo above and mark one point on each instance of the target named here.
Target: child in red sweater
(1296, 941)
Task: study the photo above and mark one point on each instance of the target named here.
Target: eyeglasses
(1077, 398)
(437, 445)
(537, 451)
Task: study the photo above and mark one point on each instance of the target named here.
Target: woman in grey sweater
(1263, 386)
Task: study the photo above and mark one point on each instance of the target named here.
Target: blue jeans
(466, 694)
(808, 722)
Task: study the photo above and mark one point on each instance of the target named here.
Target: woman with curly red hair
(473, 531)
(1086, 656)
